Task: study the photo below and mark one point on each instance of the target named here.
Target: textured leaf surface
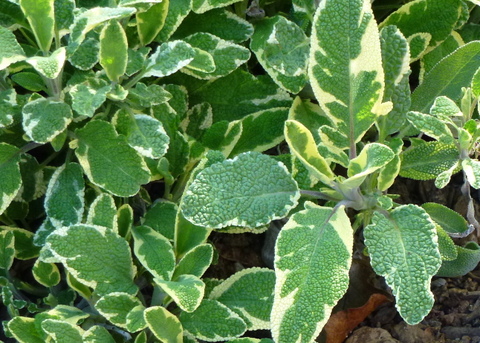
(282, 49)
(213, 322)
(431, 126)
(154, 252)
(195, 261)
(11, 51)
(108, 160)
(24, 247)
(11, 179)
(345, 66)
(40, 15)
(164, 325)
(177, 11)
(47, 274)
(312, 260)
(113, 50)
(44, 119)
(169, 58)
(472, 171)
(187, 291)
(64, 199)
(24, 330)
(161, 217)
(94, 255)
(249, 293)
(49, 66)
(201, 6)
(103, 212)
(86, 97)
(372, 157)
(116, 306)
(403, 248)
(249, 190)
(97, 334)
(151, 21)
(62, 332)
(7, 249)
(87, 54)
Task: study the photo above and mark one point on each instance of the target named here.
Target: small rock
(370, 335)
(413, 333)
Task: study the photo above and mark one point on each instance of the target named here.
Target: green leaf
(64, 15)
(144, 133)
(213, 322)
(87, 54)
(168, 58)
(28, 80)
(161, 217)
(372, 157)
(46, 274)
(143, 96)
(201, 6)
(227, 56)
(24, 247)
(64, 199)
(187, 291)
(346, 69)
(97, 334)
(223, 136)
(103, 212)
(312, 259)
(431, 126)
(447, 77)
(310, 115)
(154, 252)
(445, 109)
(195, 262)
(389, 173)
(430, 59)
(282, 49)
(467, 260)
(164, 325)
(24, 330)
(150, 22)
(249, 293)
(11, 180)
(84, 251)
(446, 246)
(427, 160)
(44, 119)
(108, 160)
(177, 11)
(7, 249)
(62, 332)
(471, 168)
(116, 306)
(187, 235)
(113, 50)
(88, 96)
(403, 248)
(40, 15)
(448, 219)
(11, 51)
(50, 66)
(249, 190)
(228, 26)
(302, 145)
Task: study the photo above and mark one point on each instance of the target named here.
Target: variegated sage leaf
(346, 69)
(11, 51)
(64, 199)
(62, 332)
(310, 115)
(164, 325)
(430, 59)
(249, 293)
(403, 248)
(11, 180)
(24, 247)
(471, 169)
(46, 274)
(282, 49)
(187, 291)
(151, 21)
(227, 56)
(113, 50)
(201, 6)
(448, 77)
(87, 54)
(41, 17)
(250, 190)
(64, 15)
(312, 259)
(116, 306)
(7, 249)
(213, 322)
(108, 160)
(8, 104)
(97, 334)
(103, 212)
(154, 252)
(177, 11)
(195, 261)
(168, 58)
(44, 119)
(49, 66)
(96, 256)
(88, 96)
(431, 126)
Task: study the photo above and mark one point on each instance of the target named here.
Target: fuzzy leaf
(50, 66)
(64, 199)
(312, 259)
(403, 248)
(24, 247)
(164, 325)
(187, 291)
(154, 252)
(44, 119)
(194, 262)
(62, 332)
(46, 274)
(108, 160)
(161, 217)
(11, 179)
(372, 157)
(249, 190)
(94, 255)
(177, 11)
(87, 54)
(11, 51)
(151, 21)
(168, 58)
(24, 330)
(87, 97)
(97, 334)
(431, 126)
(116, 306)
(113, 50)
(201, 6)
(40, 15)
(7, 249)
(103, 212)
(471, 169)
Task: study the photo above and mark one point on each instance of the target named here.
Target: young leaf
(431, 126)
(194, 262)
(249, 293)
(154, 252)
(213, 322)
(108, 160)
(151, 21)
(7, 249)
(282, 49)
(86, 55)
(113, 50)
(403, 248)
(24, 330)
(116, 306)
(312, 259)
(62, 332)
(24, 247)
(51, 66)
(64, 199)
(103, 212)
(44, 119)
(46, 274)
(471, 169)
(201, 6)
(187, 291)
(94, 255)
(40, 15)
(164, 325)
(161, 217)
(11, 179)
(372, 157)
(467, 260)
(97, 334)
(168, 58)
(11, 51)
(187, 235)
(446, 246)
(177, 11)
(346, 69)
(88, 96)
(64, 16)
(250, 190)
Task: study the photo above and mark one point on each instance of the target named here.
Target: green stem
(134, 80)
